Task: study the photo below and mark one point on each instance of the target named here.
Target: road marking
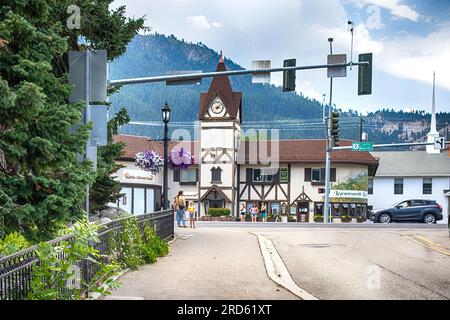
(428, 246)
(431, 242)
(276, 269)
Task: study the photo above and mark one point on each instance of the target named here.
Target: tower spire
(221, 57)
(433, 129)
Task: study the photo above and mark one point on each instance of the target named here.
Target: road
(368, 261)
(360, 261)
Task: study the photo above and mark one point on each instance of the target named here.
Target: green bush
(13, 243)
(292, 219)
(318, 218)
(219, 212)
(152, 246)
(53, 274)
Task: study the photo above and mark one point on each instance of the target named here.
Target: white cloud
(202, 22)
(416, 57)
(396, 7)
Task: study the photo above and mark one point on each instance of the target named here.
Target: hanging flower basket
(149, 161)
(180, 159)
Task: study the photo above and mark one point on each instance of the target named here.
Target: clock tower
(220, 129)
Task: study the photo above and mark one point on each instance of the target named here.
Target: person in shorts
(191, 210)
(264, 213)
(242, 212)
(254, 211)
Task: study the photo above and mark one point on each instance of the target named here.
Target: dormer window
(216, 175)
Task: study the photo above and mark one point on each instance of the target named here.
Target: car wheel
(429, 218)
(384, 218)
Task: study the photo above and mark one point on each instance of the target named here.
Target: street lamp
(166, 118)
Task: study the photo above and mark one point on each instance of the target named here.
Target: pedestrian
(254, 212)
(179, 204)
(264, 213)
(242, 212)
(192, 212)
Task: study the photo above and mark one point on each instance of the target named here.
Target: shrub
(13, 243)
(53, 278)
(292, 219)
(152, 246)
(219, 212)
(318, 218)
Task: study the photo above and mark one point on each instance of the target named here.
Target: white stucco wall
(383, 192)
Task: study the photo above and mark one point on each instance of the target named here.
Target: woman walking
(264, 213)
(254, 211)
(179, 204)
(242, 212)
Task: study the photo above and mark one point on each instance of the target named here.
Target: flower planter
(346, 220)
(361, 219)
(318, 219)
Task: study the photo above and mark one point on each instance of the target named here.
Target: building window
(188, 176)
(316, 175)
(260, 176)
(370, 187)
(427, 186)
(216, 175)
(398, 186)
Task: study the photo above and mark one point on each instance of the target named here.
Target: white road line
(277, 271)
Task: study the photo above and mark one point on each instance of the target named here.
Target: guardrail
(16, 269)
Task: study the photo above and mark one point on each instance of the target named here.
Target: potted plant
(318, 218)
(361, 219)
(292, 219)
(149, 160)
(180, 159)
(346, 219)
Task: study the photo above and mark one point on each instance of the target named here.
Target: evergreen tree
(42, 183)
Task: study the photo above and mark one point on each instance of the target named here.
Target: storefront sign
(137, 175)
(348, 194)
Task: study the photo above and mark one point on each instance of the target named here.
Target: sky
(408, 38)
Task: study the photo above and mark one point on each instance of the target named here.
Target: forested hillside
(264, 106)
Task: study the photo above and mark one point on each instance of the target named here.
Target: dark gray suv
(426, 211)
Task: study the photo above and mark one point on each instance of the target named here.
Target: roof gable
(221, 88)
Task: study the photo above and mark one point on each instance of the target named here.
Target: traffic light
(365, 75)
(289, 76)
(334, 128)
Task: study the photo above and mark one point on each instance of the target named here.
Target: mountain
(264, 106)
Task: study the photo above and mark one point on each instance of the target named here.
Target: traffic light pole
(326, 209)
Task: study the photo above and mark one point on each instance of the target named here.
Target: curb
(277, 271)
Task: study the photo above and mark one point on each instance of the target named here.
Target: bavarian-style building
(229, 170)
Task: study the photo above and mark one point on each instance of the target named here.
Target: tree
(41, 178)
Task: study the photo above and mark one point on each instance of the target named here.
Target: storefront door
(303, 212)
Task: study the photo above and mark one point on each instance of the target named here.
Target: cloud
(416, 57)
(202, 22)
(396, 7)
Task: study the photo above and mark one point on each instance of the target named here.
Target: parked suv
(426, 211)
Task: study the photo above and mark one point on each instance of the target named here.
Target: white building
(413, 174)
(410, 175)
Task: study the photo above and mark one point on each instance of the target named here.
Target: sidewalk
(204, 264)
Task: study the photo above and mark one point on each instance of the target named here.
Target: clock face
(217, 107)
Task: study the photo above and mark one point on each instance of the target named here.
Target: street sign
(439, 143)
(362, 146)
(337, 72)
(261, 65)
(98, 75)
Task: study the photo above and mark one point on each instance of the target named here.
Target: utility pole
(326, 208)
(88, 115)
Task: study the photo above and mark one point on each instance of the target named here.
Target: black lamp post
(166, 118)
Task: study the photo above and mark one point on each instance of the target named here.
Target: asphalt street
(360, 261)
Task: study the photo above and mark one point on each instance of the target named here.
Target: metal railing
(16, 269)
